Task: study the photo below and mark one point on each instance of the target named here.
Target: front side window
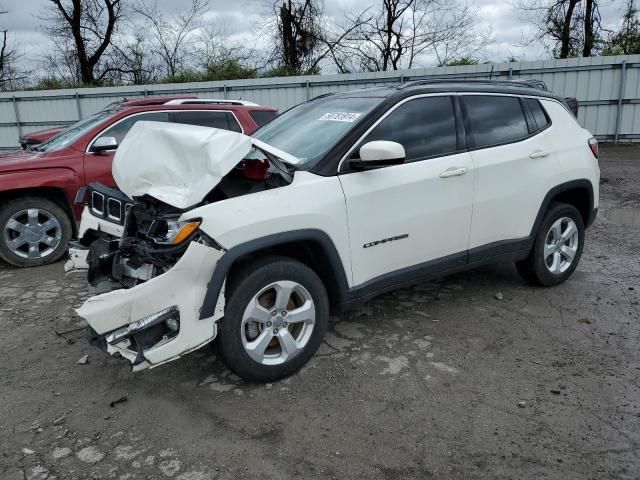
(204, 118)
(425, 127)
(120, 129)
(494, 120)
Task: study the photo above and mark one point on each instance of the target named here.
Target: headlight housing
(178, 231)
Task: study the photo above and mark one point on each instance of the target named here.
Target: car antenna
(491, 72)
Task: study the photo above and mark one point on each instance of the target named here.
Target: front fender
(62, 179)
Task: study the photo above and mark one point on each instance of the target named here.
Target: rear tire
(557, 247)
(33, 231)
(276, 314)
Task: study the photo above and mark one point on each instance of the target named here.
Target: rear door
(97, 166)
(404, 215)
(514, 164)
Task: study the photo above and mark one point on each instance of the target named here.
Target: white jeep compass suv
(254, 240)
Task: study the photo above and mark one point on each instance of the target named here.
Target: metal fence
(607, 89)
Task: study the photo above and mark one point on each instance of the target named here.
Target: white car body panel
(407, 199)
(91, 222)
(509, 188)
(309, 202)
(182, 286)
(570, 143)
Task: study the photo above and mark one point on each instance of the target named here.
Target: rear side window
(425, 127)
(262, 117)
(494, 120)
(540, 118)
(208, 118)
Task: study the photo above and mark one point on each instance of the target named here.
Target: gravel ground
(474, 376)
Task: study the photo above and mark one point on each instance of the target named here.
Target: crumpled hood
(180, 164)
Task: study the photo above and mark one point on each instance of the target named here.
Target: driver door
(405, 215)
(97, 166)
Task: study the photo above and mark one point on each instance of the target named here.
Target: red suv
(38, 186)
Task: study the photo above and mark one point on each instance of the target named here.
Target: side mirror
(103, 144)
(378, 153)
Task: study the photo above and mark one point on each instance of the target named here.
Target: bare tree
(173, 36)
(8, 56)
(592, 27)
(82, 31)
(569, 28)
(133, 62)
(303, 37)
(626, 41)
(403, 31)
(221, 58)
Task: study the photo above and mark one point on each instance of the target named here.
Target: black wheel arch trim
(555, 191)
(225, 263)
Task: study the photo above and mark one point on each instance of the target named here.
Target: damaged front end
(149, 285)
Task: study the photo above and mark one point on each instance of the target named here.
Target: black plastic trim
(573, 184)
(224, 264)
(502, 247)
(592, 217)
(403, 277)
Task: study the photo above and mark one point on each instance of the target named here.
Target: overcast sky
(241, 18)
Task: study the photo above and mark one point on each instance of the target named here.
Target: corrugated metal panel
(595, 81)
(9, 136)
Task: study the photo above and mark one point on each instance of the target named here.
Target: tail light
(593, 145)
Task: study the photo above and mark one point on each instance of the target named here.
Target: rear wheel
(33, 231)
(557, 247)
(276, 315)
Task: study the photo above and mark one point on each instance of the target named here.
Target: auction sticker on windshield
(340, 116)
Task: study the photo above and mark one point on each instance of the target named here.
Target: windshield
(311, 129)
(73, 133)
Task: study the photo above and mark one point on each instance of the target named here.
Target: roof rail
(211, 101)
(530, 83)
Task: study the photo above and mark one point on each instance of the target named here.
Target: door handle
(539, 154)
(453, 172)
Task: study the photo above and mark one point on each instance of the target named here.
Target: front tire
(276, 314)
(33, 231)
(557, 247)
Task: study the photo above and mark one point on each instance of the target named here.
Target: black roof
(444, 86)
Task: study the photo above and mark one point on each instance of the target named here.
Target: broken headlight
(178, 231)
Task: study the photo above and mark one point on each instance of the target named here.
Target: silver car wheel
(32, 233)
(561, 245)
(278, 322)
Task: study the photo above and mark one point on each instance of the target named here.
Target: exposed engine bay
(145, 249)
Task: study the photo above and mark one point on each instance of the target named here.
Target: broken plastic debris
(83, 360)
